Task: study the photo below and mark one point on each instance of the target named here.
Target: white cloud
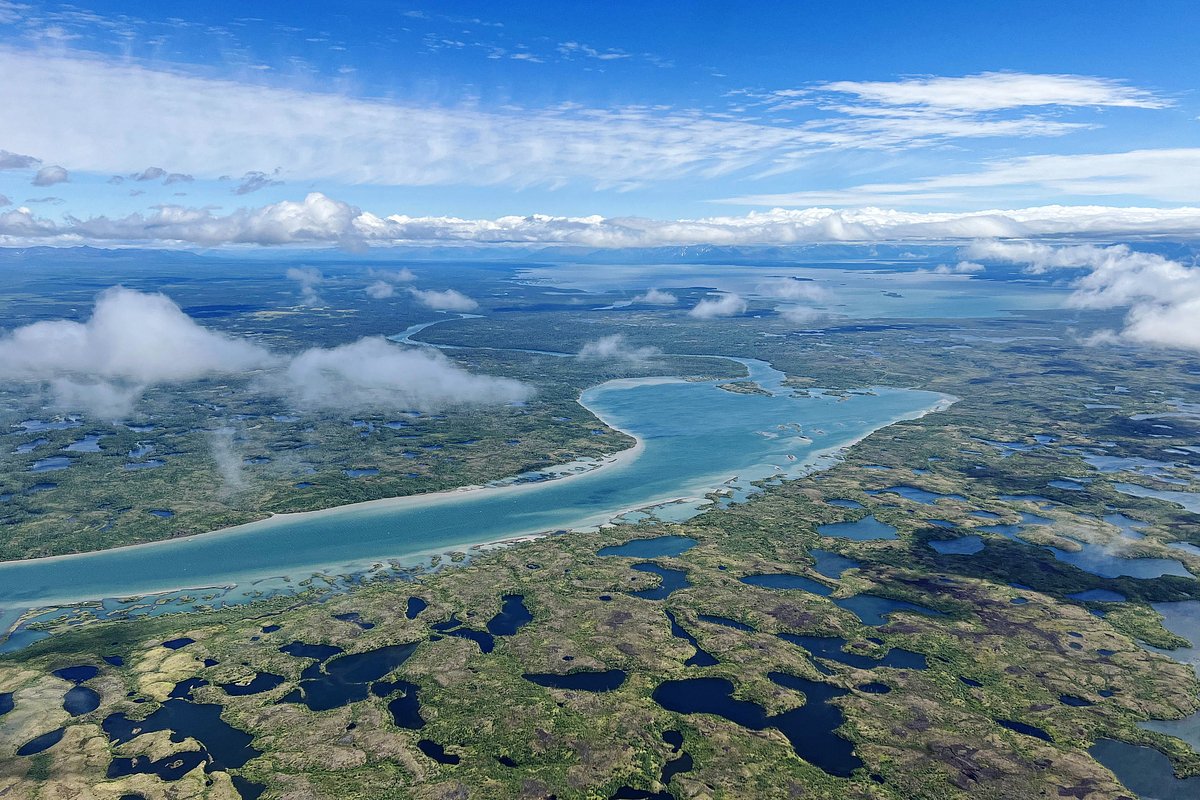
(961, 268)
(656, 297)
(373, 373)
(321, 220)
(804, 316)
(316, 219)
(381, 290)
(211, 128)
(4, 201)
(616, 347)
(726, 305)
(990, 91)
(228, 461)
(135, 340)
(447, 300)
(308, 278)
(101, 398)
(402, 275)
(385, 286)
(1162, 175)
(48, 176)
(793, 289)
(131, 341)
(1163, 296)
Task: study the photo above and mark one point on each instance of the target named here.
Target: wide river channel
(693, 438)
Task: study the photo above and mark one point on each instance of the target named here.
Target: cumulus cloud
(135, 340)
(447, 300)
(131, 341)
(726, 305)
(4, 201)
(308, 278)
(1162, 295)
(961, 268)
(381, 290)
(805, 316)
(385, 285)
(793, 289)
(319, 219)
(656, 297)
(17, 161)
(616, 348)
(48, 176)
(373, 373)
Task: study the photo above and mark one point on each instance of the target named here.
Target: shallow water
(696, 438)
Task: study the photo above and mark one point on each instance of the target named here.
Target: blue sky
(665, 111)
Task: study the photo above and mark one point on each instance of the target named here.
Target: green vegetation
(933, 735)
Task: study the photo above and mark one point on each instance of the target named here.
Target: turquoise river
(694, 438)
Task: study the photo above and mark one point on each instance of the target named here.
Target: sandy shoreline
(414, 500)
(624, 457)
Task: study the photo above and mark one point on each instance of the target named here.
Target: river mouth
(693, 439)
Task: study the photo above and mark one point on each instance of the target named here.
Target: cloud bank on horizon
(319, 220)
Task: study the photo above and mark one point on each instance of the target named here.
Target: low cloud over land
(134, 340)
(1163, 296)
(373, 373)
(445, 300)
(726, 305)
(656, 297)
(617, 348)
(131, 341)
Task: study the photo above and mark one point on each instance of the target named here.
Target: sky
(605, 125)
